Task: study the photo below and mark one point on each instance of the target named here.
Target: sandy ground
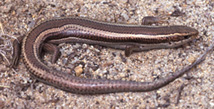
(19, 90)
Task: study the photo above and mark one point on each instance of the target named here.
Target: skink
(130, 38)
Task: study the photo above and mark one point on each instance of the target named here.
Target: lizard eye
(186, 37)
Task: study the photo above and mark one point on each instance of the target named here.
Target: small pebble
(191, 59)
(78, 70)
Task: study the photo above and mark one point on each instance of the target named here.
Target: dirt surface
(19, 90)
